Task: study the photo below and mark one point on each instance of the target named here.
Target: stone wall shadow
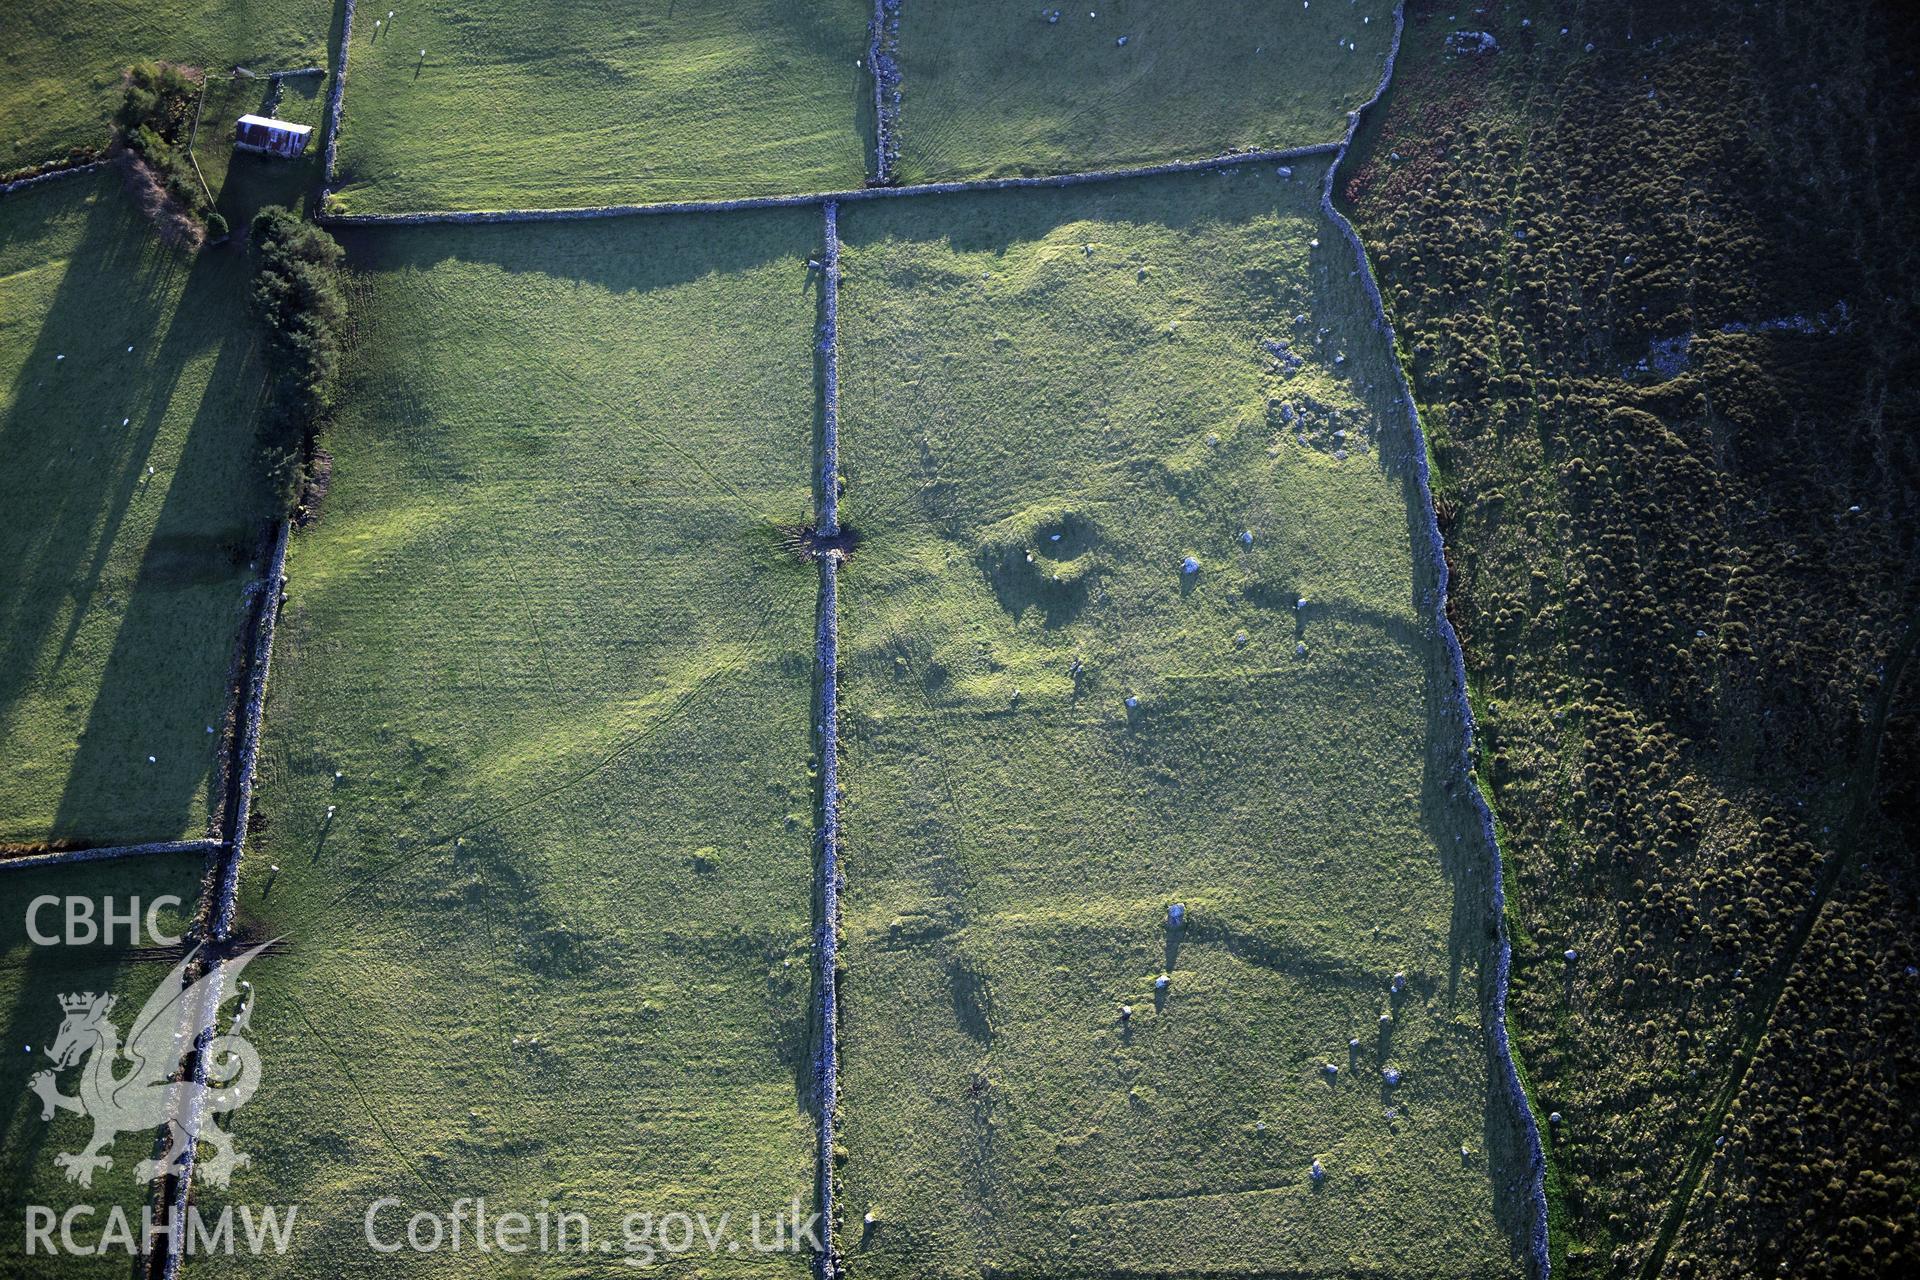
(58, 548)
(57, 544)
(194, 546)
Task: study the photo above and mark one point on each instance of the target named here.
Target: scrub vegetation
(296, 289)
(1053, 732)
(1654, 275)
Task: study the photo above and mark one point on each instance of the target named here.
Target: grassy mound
(1033, 777)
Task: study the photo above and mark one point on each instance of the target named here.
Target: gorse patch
(296, 290)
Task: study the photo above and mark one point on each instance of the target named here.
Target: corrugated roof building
(271, 137)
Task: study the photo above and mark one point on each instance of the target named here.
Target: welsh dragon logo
(148, 1094)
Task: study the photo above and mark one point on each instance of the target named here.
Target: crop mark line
(379, 872)
(353, 1080)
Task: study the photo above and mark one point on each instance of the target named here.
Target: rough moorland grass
(1107, 366)
(547, 663)
(992, 88)
(60, 64)
(602, 103)
(126, 549)
(32, 978)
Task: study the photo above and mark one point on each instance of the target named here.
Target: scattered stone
(1472, 43)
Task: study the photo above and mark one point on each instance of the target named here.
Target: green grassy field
(602, 103)
(1049, 401)
(32, 978)
(123, 566)
(546, 659)
(60, 64)
(992, 88)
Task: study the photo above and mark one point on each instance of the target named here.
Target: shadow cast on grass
(192, 548)
(175, 309)
(620, 255)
